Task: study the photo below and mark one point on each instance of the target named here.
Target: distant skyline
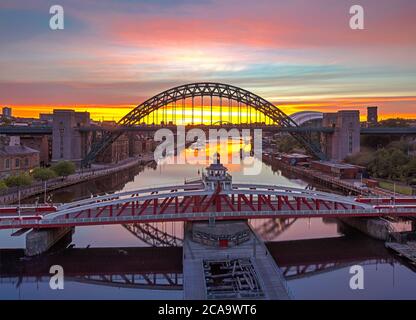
(298, 54)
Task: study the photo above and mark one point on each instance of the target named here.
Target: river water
(314, 254)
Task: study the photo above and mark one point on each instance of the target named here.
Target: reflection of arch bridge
(294, 272)
(139, 268)
(152, 234)
(304, 258)
(134, 280)
(245, 100)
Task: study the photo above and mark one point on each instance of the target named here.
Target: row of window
(17, 163)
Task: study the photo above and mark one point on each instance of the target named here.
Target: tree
(64, 168)
(19, 180)
(402, 145)
(394, 122)
(376, 141)
(363, 158)
(389, 163)
(398, 160)
(410, 171)
(287, 144)
(43, 174)
(3, 185)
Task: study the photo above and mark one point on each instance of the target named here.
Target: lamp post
(18, 201)
(44, 195)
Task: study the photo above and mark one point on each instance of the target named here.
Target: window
(26, 162)
(17, 163)
(7, 164)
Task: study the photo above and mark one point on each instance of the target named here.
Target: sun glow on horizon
(116, 112)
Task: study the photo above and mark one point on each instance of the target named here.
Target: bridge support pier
(345, 140)
(39, 241)
(213, 269)
(373, 227)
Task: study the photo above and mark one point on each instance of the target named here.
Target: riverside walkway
(12, 196)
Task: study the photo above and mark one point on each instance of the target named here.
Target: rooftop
(295, 155)
(216, 166)
(337, 164)
(16, 150)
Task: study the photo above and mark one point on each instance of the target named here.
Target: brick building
(41, 143)
(15, 158)
(116, 152)
(340, 170)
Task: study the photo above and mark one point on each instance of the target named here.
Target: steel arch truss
(205, 89)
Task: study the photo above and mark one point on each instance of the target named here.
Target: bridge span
(190, 202)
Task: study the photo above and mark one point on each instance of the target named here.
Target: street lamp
(18, 201)
(44, 195)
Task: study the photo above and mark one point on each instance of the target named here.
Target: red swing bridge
(214, 196)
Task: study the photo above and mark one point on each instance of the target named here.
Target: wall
(40, 143)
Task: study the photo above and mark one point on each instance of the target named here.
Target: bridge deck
(193, 202)
(270, 278)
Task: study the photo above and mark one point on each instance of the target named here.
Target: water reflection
(314, 268)
(137, 273)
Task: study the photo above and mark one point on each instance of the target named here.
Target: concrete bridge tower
(345, 140)
(68, 143)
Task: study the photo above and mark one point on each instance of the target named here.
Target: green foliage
(394, 122)
(6, 121)
(43, 174)
(3, 185)
(19, 180)
(401, 145)
(363, 158)
(287, 144)
(410, 171)
(376, 141)
(64, 168)
(396, 187)
(392, 162)
(389, 164)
